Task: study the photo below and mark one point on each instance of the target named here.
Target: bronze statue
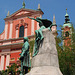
(43, 23)
(25, 57)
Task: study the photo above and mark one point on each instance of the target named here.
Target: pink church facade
(17, 26)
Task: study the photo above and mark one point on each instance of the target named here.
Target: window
(66, 34)
(21, 31)
(18, 58)
(12, 59)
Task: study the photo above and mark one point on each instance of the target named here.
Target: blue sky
(49, 7)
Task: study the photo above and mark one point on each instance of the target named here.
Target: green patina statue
(43, 23)
(25, 57)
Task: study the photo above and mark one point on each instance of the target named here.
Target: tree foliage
(66, 54)
(31, 46)
(12, 70)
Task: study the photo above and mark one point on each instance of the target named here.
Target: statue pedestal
(46, 61)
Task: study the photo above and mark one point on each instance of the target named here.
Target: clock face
(66, 34)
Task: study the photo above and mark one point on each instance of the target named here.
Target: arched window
(66, 34)
(21, 31)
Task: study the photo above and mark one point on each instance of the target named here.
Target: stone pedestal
(46, 61)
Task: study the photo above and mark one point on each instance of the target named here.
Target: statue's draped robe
(43, 23)
(25, 54)
(38, 39)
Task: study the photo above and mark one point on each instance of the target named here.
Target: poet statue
(25, 57)
(43, 23)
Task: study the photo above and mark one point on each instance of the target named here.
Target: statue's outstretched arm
(34, 19)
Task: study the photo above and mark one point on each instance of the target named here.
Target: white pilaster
(16, 33)
(53, 28)
(7, 60)
(6, 29)
(38, 26)
(38, 23)
(2, 62)
(2, 36)
(40, 16)
(11, 26)
(32, 27)
(25, 32)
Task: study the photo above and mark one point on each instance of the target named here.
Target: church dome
(66, 15)
(67, 24)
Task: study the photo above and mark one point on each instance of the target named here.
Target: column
(38, 26)
(11, 27)
(2, 62)
(25, 32)
(40, 16)
(16, 33)
(6, 29)
(32, 27)
(7, 60)
(2, 36)
(38, 23)
(25, 29)
(17, 30)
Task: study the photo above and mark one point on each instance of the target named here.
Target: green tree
(67, 54)
(3, 72)
(13, 69)
(31, 46)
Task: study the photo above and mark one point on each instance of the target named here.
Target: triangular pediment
(22, 12)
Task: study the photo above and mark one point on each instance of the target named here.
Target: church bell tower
(54, 27)
(67, 31)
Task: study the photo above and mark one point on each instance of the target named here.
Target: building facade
(67, 31)
(17, 26)
(54, 27)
